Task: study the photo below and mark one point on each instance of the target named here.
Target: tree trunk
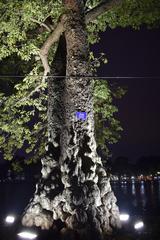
(75, 187)
(39, 211)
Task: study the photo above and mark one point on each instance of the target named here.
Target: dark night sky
(135, 53)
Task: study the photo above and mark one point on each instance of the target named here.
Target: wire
(101, 77)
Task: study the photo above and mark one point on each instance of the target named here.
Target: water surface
(138, 198)
(133, 198)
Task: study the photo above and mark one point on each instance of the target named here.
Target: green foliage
(23, 119)
(107, 127)
(131, 13)
(18, 26)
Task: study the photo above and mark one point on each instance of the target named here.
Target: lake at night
(140, 200)
(134, 198)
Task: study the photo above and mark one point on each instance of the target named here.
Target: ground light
(138, 225)
(27, 235)
(124, 217)
(10, 219)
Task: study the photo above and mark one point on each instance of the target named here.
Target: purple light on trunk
(81, 115)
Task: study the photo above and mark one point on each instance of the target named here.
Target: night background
(136, 54)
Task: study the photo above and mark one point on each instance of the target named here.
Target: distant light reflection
(124, 187)
(152, 194)
(143, 195)
(133, 188)
(142, 189)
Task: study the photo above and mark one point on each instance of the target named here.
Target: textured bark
(75, 187)
(39, 212)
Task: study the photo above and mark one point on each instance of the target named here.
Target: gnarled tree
(74, 187)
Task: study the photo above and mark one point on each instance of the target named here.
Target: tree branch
(41, 24)
(100, 9)
(36, 90)
(53, 38)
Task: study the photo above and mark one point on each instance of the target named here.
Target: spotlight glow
(10, 219)
(139, 225)
(27, 235)
(124, 217)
